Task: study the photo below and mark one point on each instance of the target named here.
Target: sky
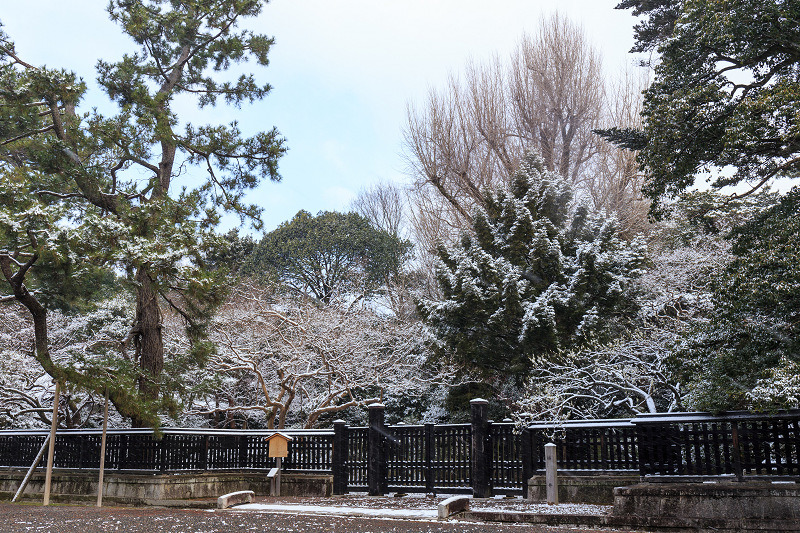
(342, 71)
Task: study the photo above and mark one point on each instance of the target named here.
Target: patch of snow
(338, 510)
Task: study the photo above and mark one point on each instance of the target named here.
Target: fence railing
(429, 458)
(177, 450)
(737, 444)
(588, 445)
(479, 458)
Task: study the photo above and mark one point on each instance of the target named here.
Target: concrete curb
(453, 505)
(235, 498)
(518, 517)
(666, 524)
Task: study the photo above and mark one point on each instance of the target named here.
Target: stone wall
(584, 488)
(152, 488)
(720, 506)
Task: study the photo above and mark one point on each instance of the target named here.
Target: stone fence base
(584, 487)
(126, 488)
(723, 506)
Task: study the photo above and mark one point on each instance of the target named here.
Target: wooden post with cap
(278, 448)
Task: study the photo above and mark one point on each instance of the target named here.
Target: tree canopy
(755, 326)
(657, 27)
(541, 273)
(329, 253)
(726, 94)
(86, 189)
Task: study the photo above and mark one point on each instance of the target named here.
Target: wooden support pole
(31, 469)
(51, 451)
(551, 473)
(102, 454)
(279, 465)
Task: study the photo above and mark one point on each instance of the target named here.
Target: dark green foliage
(756, 325)
(328, 254)
(627, 138)
(231, 253)
(726, 95)
(659, 24)
(84, 195)
(540, 274)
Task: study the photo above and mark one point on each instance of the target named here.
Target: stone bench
(235, 498)
(453, 505)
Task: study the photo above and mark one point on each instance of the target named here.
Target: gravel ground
(421, 501)
(20, 518)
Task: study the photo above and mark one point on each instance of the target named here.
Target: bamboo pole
(51, 451)
(102, 454)
(31, 469)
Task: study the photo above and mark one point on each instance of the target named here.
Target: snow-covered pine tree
(540, 273)
(116, 191)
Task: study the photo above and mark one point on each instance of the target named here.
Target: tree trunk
(149, 342)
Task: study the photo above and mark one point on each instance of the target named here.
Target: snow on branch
(297, 359)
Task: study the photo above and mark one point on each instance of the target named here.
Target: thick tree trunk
(149, 342)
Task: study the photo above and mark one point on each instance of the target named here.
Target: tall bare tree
(383, 204)
(557, 90)
(471, 135)
(615, 179)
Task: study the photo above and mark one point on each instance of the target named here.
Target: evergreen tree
(106, 191)
(754, 330)
(659, 24)
(327, 254)
(540, 273)
(726, 94)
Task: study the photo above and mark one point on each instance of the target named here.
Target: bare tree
(631, 377)
(383, 204)
(471, 135)
(557, 89)
(294, 358)
(615, 180)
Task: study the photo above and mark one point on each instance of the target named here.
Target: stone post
(551, 473)
(481, 458)
(376, 458)
(339, 466)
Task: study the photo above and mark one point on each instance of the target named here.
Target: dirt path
(28, 518)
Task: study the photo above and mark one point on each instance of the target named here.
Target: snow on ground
(340, 510)
(413, 506)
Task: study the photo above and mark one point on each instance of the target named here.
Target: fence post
(163, 447)
(481, 460)
(736, 451)
(339, 466)
(376, 453)
(527, 459)
(429, 478)
(551, 473)
(204, 462)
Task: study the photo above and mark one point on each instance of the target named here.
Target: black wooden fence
(588, 445)
(178, 450)
(479, 458)
(740, 445)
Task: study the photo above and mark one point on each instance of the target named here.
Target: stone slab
(235, 498)
(452, 505)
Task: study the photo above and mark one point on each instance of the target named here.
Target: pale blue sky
(342, 71)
